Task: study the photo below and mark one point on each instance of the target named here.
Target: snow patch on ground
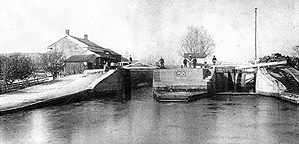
(59, 87)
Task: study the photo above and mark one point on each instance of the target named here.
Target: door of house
(89, 65)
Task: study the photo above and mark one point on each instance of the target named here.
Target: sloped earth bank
(59, 88)
(285, 78)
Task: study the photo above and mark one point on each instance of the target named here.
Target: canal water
(220, 119)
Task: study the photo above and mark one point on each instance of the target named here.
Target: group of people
(190, 61)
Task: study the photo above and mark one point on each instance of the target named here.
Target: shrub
(16, 66)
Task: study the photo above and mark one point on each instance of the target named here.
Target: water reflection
(221, 119)
(14, 127)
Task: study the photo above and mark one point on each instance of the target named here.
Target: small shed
(78, 63)
(194, 55)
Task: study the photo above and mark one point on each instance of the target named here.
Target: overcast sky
(151, 29)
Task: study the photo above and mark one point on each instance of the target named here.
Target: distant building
(81, 53)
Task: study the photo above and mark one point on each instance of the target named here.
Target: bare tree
(197, 40)
(53, 62)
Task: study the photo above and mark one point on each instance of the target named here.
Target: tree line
(20, 66)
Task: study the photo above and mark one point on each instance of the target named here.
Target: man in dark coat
(130, 60)
(214, 60)
(194, 61)
(161, 62)
(185, 62)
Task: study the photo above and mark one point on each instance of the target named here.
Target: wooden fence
(4, 88)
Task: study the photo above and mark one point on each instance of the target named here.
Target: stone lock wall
(116, 82)
(141, 77)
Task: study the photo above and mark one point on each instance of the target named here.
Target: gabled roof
(96, 50)
(101, 52)
(94, 47)
(91, 46)
(56, 42)
(87, 42)
(112, 52)
(194, 55)
(123, 59)
(81, 58)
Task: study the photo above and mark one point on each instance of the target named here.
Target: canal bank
(90, 84)
(183, 84)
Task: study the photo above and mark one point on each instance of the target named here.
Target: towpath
(57, 88)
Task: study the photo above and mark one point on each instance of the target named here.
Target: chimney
(67, 32)
(86, 37)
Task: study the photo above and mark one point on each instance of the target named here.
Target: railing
(4, 88)
(262, 65)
